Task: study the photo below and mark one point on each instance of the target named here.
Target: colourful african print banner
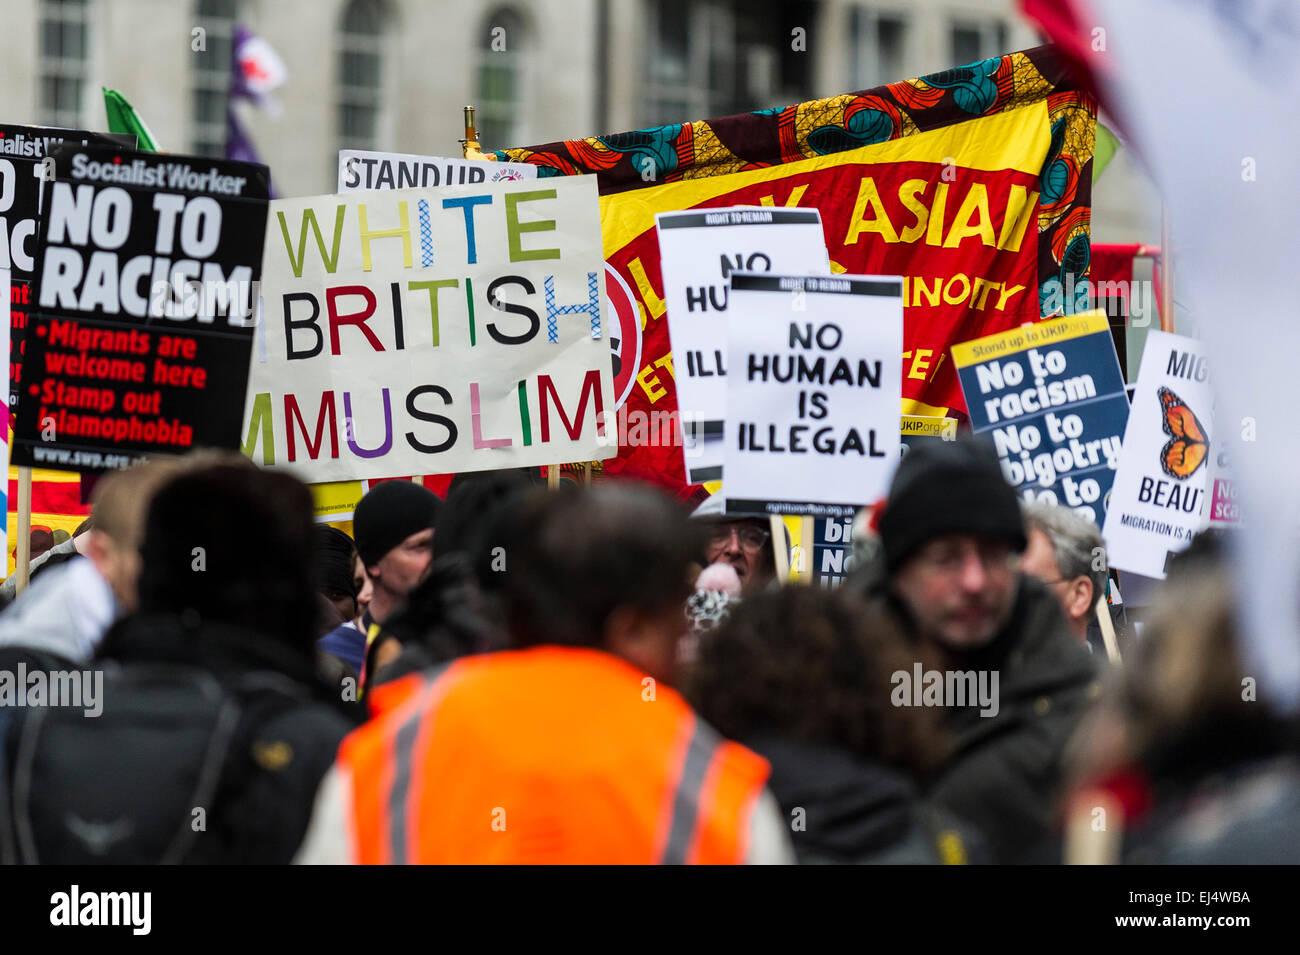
(973, 183)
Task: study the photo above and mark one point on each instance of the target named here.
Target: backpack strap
(214, 756)
(8, 848)
(11, 724)
(209, 777)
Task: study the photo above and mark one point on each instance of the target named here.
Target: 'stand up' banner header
(432, 331)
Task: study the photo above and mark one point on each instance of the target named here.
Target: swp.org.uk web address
(81, 459)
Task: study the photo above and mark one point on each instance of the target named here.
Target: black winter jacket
(1004, 772)
(845, 810)
(284, 740)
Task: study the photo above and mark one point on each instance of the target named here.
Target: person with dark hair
(606, 567)
(215, 729)
(336, 564)
(472, 498)
(199, 562)
(803, 676)
(334, 559)
(581, 750)
(42, 539)
(948, 571)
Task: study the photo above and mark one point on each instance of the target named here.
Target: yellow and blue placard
(1051, 396)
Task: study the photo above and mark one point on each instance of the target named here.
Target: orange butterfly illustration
(1188, 444)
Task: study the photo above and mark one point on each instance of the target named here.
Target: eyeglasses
(949, 559)
(751, 539)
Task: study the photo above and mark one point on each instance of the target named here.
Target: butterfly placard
(1188, 443)
(1160, 500)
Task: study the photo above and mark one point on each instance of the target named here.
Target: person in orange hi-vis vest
(572, 747)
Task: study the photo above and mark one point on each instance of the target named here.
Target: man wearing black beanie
(947, 568)
(948, 498)
(393, 525)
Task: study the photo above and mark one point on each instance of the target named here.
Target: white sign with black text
(813, 396)
(698, 250)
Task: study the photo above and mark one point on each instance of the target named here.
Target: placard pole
(469, 146)
(24, 531)
(804, 565)
(779, 548)
(1108, 631)
(1166, 274)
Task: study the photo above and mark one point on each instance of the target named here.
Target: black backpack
(149, 780)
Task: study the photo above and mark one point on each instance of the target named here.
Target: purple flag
(255, 71)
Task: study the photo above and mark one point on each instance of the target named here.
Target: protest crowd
(517, 674)
(387, 558)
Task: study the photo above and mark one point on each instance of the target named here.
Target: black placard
(22, 151)
(148, 266)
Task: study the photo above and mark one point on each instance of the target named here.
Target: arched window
(212, 72)
(501, 116)
(65, 37)
(361, 75)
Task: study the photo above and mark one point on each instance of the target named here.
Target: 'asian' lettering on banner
(432, 331)
(148, 266)
(1051, 396)
(812, 402)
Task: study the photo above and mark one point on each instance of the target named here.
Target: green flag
(122, 118)
(1104, 152)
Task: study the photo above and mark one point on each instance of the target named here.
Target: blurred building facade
(394, 74)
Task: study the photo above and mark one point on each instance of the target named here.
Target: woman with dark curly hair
(803, 677)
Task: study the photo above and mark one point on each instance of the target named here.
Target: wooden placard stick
(1108, 631)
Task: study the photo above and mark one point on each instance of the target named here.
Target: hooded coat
(844, 810)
